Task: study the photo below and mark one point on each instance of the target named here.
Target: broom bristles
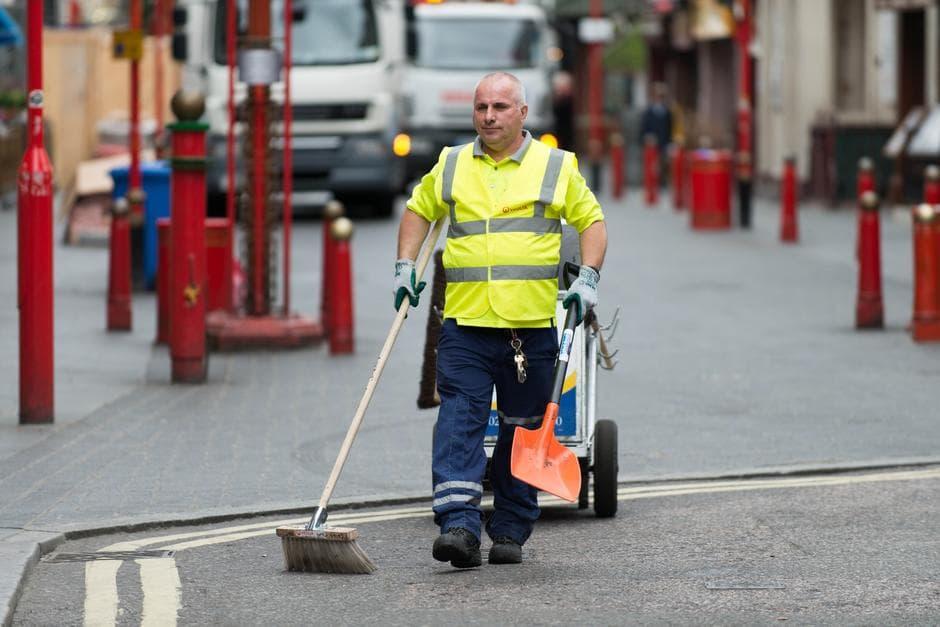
(327, 550)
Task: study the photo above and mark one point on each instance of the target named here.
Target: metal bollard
(869, 306)
(925, 323)
(340, 295)
(187, 286)
(745, 188)
(789, 229)
(650, 170)
(119, 267)
(35, 248)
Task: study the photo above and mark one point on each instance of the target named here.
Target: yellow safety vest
(506, 257)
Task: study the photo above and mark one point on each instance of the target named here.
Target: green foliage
(627, 53)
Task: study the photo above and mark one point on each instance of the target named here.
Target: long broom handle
(377, 371)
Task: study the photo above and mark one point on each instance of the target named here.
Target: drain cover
(744, 586)
(108, 555)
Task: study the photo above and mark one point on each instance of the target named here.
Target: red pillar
(650, 170)
(869, 306)
(341, 296)
(188, 287)
(616, 165)
(596, 93)
(34, 246)
(789, 230)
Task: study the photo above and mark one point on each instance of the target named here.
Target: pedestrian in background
(505, 194)
(657, 118)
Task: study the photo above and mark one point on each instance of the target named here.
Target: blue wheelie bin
(155, 177)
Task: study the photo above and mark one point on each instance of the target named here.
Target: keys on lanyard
(519, 358)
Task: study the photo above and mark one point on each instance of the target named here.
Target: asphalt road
(858, 548)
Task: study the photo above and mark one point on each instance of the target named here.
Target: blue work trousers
(470, 361)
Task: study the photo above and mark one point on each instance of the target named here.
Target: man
(657, 119)
(504, 194)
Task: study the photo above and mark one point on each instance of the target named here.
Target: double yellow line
(160, 578)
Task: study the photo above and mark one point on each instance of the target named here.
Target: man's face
(497, 116)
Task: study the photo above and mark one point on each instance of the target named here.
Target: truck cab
(347, 57)
(451, 45)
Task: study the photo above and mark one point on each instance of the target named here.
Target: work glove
(405, 283)
(583, 292)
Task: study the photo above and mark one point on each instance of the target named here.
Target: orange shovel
(537, 457)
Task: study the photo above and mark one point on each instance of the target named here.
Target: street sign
(595, 30)
(128, 44)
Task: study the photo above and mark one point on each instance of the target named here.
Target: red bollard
(865, 179)
(789, 231)
(34, 247)
(677, 156)
(932, 185)
(187, 286)
(332, 211)
(650, 170)
(864, 182)
(119, 268)
(340, 296)
(218, 264)
(616, 165)
(869, 306)
(925, 325)
(163, 281)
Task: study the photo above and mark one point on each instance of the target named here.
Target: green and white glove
(583, 292)
(405, 283)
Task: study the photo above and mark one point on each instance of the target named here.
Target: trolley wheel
(605, 468)
(583, 494)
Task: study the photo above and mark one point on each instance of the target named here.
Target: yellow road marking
(101, 597)
(101, 583)
(160, 581)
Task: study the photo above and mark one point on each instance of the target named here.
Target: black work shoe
(505, 550)
(459, 547)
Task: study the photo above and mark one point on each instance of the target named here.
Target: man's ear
(525, 111)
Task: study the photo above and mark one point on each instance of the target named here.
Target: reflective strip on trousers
(522, 421)
(455, 498)
(459, 485)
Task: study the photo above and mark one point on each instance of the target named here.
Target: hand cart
(594, 442)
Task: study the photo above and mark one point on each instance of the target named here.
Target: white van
(345, 77)
(452, 44)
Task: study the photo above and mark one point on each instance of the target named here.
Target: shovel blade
(545, 464)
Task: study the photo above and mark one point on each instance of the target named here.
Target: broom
(314, 547)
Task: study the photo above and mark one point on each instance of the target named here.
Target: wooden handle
(379, 366)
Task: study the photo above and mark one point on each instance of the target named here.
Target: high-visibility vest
(505, 257)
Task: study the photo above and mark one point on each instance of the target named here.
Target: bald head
(514, 83)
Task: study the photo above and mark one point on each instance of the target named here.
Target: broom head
(325, 550)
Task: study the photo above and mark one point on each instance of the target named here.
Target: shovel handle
(377, 371)
(564, 352)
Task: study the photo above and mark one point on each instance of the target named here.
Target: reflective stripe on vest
(538, 223)
(501, 273)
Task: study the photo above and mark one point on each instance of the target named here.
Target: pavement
(737, 358)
